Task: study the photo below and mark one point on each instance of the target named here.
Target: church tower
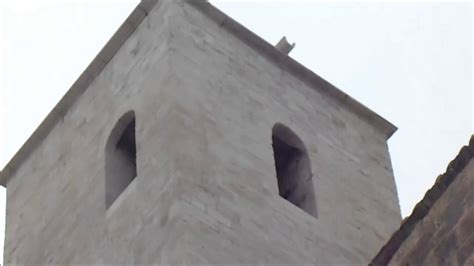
(190, 140)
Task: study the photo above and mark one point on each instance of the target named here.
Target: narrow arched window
(293, 169)
(120, 158)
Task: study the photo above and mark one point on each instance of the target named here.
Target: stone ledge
(248, 37)
(292, 66)
(79, 86)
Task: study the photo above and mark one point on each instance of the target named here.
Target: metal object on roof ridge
(284, 46)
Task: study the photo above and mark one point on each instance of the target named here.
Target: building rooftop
(251, 39)
(422, 209)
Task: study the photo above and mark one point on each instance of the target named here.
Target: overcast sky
(411, 63)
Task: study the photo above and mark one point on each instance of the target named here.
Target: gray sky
(409, 62)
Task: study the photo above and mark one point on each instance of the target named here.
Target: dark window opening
(121, 158)
(293, 169)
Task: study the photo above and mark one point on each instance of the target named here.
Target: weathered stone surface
(445, 235)
(439, 231)
(206, 188)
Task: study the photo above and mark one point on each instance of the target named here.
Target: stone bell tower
(189, 139)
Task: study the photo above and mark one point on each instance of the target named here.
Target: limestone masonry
(190, 140)
(440, 229)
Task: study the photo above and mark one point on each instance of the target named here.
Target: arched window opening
(121, 158)
(293, 169)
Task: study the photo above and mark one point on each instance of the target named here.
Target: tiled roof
(423, 207)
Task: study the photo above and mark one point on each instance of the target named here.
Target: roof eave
(79, 86)
(292, 66)
(421, 210)
(248, 37)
